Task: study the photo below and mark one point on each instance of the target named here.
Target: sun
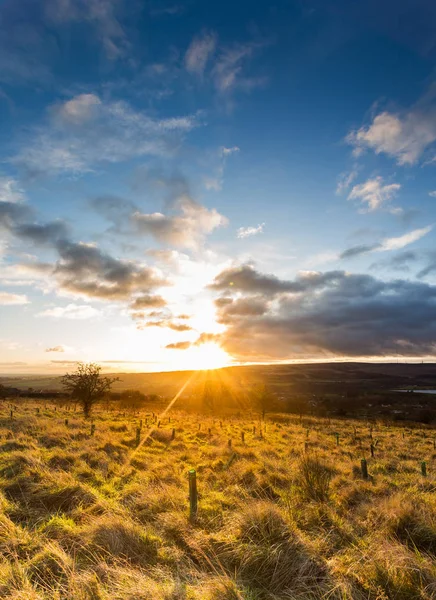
(205, 357)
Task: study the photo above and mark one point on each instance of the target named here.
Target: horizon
(186, 187)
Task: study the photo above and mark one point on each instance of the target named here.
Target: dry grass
(282, 515)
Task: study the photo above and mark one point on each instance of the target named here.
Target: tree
(87, 386)
(264, 398)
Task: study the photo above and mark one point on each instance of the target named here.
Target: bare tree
(87, 386)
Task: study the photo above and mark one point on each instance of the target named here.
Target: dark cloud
(87, 270)
(179, 346)
(400, 262)
(253, 306)
(49, 233)
(12, 213)
(247, 279)
(358, 250)
(327, 314)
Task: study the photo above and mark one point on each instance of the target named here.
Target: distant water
(418, 391)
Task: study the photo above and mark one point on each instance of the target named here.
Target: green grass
(282, 516)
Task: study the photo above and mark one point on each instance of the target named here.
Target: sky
(194, 184)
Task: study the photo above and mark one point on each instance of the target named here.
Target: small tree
(87, 386)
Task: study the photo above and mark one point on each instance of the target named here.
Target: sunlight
(206, 356)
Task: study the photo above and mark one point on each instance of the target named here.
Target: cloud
(358, 250)
(179, 346)
(374, 193)
(432, 194)
(228, 151)
(244, 232)
(331, 314)
(396, 243)
(85, 131)
(345, 180)
(82, 269)
(48, 233)
(71, 311)
(199, 52)
(216, 181)
(388, 244)
(7, 299)
(10, 191)
(86, 270)
(227, 73)
(167, 323)
(404, 135)
(101, 14)
(247, 279)
(148, 301)
(186, 230)
(55, 349)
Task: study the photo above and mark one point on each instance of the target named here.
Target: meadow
(100, 510)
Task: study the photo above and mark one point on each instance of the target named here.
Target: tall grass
(280, 516)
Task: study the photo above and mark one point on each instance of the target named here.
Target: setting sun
(204, 357)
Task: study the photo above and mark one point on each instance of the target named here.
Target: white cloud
(244, 232)
(10, 190)
(395, 243)
(374, 193)
(12, 299)
(56, 349)
(403, 136)
(227, 151)
(71, 311)
(199, 52)
(79, 109)
(432, 194)
(85, 131)
(186, 230)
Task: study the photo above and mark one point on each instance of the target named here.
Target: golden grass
(284, 514)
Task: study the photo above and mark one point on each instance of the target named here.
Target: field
(284, 513)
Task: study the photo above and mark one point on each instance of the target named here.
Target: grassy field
(283, 514)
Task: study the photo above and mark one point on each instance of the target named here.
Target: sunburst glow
(206, 356)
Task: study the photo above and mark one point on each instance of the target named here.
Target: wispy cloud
(388, 244)
(404, 135)
(432, 194)
(55, 349)
(228, 71)
(71, 311)
(245, 232)
(395, 243)
(7, 299)
(345, 180)
(10, 190)
(86, 131)
(199, 52)
(101, 14)
(374, 193)
(216, 181)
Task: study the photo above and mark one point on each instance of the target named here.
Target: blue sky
(194, 184)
